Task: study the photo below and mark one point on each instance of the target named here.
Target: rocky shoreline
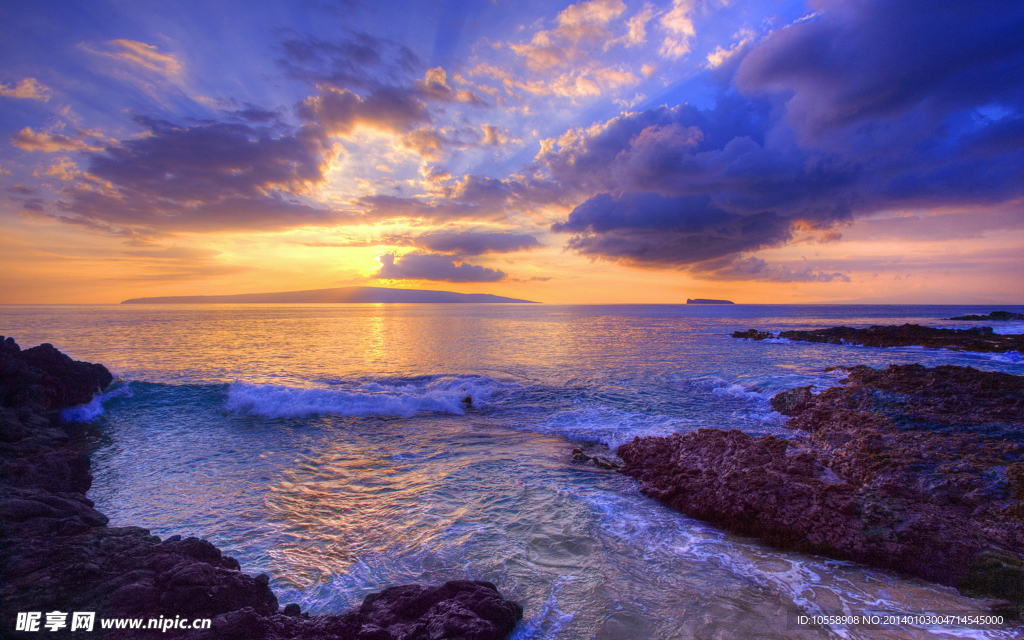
(909, 469)
(60, 555)
(995, 316)
(981, 339)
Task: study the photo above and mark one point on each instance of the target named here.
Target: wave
(607, 425)
(399, 398)
(1011, 357)
(94, 408)
(1000, 328)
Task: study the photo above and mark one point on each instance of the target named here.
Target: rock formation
(910, 469)
(980, 339)
(998, 316)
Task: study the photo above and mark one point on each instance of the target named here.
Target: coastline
(908, 469)
(60, 555)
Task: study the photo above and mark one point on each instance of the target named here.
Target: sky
(603, 151)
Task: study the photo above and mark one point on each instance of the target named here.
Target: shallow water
(331, 447)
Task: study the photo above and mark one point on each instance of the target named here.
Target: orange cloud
(29, 140)
(145, 56)
(593, 12)
(28, 88)
(680, 28)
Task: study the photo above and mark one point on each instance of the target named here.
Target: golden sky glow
(593, 152)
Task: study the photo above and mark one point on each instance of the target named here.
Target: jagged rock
(981, 339)
(791, 402)
(753, 334)
(911, 469)
(999, 316)
(44, 378)
(598, 461)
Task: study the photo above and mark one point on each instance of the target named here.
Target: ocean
(345, 448)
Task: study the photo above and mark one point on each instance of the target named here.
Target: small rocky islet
(60, 555)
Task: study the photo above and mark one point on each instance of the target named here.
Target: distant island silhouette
(337, 295)
(708, 301)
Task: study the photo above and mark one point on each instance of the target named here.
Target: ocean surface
(344, 448)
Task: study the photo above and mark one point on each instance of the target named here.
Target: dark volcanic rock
(752, 334)
(999, 316)
(456, 610)
(791, 402)
(59, 555)
(43, 378)
(912, 335)
(599, 461)
(911, 469)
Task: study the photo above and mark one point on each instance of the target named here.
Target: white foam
(739, 391)
(443, 394)
(607, 425)
(1010, 357)
(84, 412)
(1002, 328)
(94, 408)
(546, 623)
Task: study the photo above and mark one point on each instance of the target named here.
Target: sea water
(344, 448)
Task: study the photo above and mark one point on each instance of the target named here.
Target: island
(350, 295)
(708, 301)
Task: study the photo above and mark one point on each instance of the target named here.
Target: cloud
(647, 229)
(680, 29)
(339, 111)
(64, 169)
(142, 56)
(470, 243)
(823, 131)
(419, 210)
(730, 58)
(758, 270)
(27, 88)
(593, 12)
(174, 263)
(206, 177)
(637, 27)
(425, 266)
(863, 61)
(585, 80)
(494, 136)
(434, 86)
(358, 60)
(30, 140)
(255, 114)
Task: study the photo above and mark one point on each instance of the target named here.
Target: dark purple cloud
(210, 176)
(867, 106)
(864, 60)
(339, 111)
(255, 114)
(426, 266)
(752, 268)
(356, 60)
(655, 230)
(416, 209)
(470, 243)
